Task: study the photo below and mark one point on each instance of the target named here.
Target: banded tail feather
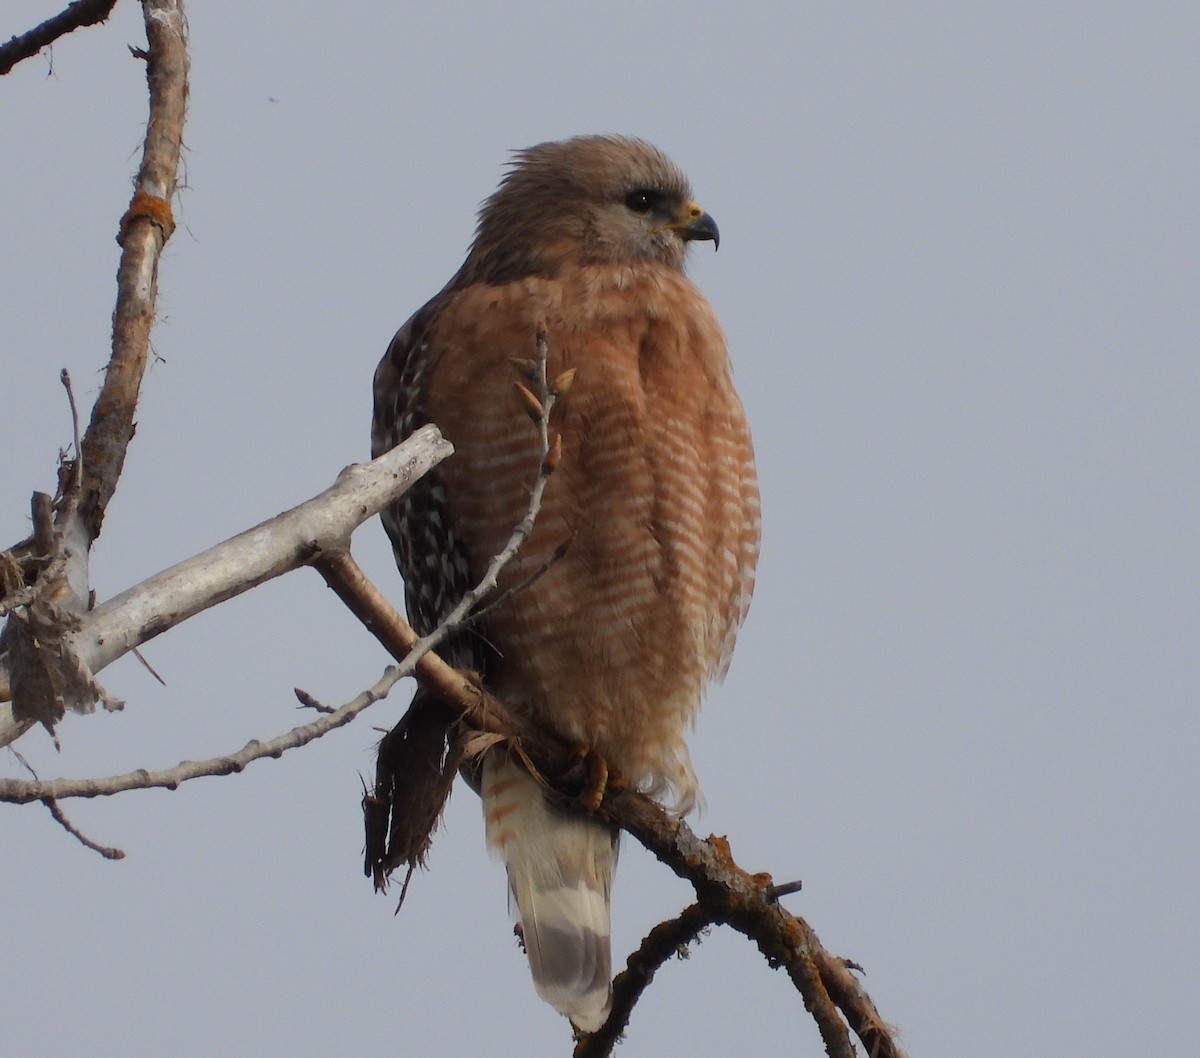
(560, 871)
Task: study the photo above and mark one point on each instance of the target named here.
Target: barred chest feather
(655, 497)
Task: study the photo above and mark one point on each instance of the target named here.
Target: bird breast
(655, 499)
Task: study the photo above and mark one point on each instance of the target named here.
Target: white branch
(283, 543)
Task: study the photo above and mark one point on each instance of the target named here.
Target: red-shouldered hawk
(656, 493)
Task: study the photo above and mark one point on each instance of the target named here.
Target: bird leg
(598, 777)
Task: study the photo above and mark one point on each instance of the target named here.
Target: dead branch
(877, 1036)
(741, 900)
(109, 852)
(77, 15)
(665, 941)
(394, 633)
(285, 542)
(144, 230)
(60, 817)
(19, 791)
(46, 676)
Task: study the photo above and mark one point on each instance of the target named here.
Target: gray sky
(959, 273)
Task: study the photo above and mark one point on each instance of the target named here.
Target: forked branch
(47, 680)
(285, 542)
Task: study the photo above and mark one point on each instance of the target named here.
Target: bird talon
(595, 783)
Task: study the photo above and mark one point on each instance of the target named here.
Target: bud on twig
(533, 406)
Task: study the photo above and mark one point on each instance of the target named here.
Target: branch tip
(78, 14)
(107, 851)
(784, 889)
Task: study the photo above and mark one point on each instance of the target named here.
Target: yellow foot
(598, 778)
(597, 782)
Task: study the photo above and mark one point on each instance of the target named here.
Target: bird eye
(640, 201)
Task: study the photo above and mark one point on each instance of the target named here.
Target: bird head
(591, 199)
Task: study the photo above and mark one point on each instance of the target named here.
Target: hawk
(655, 497)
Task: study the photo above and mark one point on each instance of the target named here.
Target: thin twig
(516, 589)
(78, 14)
(460, 615)
(147, 666)
(107, 851)
(15, 790)
(22, 760)
(65, 378)
(408, 874)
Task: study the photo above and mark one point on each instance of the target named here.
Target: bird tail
(560, 871)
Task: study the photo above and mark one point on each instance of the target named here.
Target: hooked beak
(696, 225)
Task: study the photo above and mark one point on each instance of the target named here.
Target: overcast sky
(959, 272)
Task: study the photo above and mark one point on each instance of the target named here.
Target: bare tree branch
(396, 635)
(19, 791)
(665, 941)
(107, 851)
(878, 1037)
(145, 228)
(78, 14)
(47, 675)
(285, 542)
(739, 899)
